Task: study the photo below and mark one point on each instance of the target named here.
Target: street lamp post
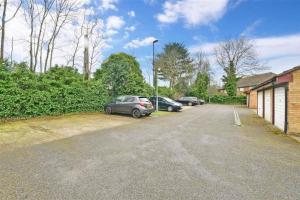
(157, 89)
(155, 81)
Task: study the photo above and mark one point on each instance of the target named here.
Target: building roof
(274, 77)
(290, 70)
(250, 81)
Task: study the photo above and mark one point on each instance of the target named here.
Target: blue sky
(131, 25)
(274, 25)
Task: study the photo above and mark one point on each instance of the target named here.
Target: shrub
(166, 92)
(58, 91)
(221, 99)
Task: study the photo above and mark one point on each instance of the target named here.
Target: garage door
(279, 105)
(267, 106)
(260, 104)
(248, 100)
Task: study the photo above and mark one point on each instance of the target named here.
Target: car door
(128, 104)
(162, 104)
(183, 100)
(152, 99)
(180, 100)
(117, 104)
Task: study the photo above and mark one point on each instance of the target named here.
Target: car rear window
(144, 99)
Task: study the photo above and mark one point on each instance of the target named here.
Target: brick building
(278, 100)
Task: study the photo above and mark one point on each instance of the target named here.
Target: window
(130, 99)
(120, 99)
(169, 100)
(143, 99)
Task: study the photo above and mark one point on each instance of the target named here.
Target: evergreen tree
(201, 85)
(230, 80)
(122, 75)
(175, 64)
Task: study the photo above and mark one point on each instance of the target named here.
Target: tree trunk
(12, 51)
(31, 36)
(3, 30)
(51, 53)
(38, 42)
(86, 58)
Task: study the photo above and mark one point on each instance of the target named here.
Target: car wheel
(147, 115)
(136, 113)
(170, 109)
(190, 104)
(108, 110)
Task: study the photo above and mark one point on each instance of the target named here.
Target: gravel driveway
(195, 154)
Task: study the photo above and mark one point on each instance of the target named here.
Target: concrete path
(196, 154)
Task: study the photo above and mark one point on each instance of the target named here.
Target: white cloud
(108, 5)
(131, 13)
(236, 3)
(19, 30)
(130, 28)
(280, 52)
(111, 32)
(193, 12)
(134, 44)
(114, 22)
(272, 47)
(82, 2)
(251, 28)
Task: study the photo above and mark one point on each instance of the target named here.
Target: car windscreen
(168, 99)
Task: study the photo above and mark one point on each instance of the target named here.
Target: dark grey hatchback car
(137, 106)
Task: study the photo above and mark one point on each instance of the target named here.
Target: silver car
(137, 106)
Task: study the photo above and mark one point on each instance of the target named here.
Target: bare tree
(63, 9)
(97, 40)
(241, 54)
(41, 49)
(91, 31)
(78, 34)
(29, 7)
(201, 64)
(43, 13)
(86, 67)
(4, 21)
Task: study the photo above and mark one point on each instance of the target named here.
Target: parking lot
(196, 154)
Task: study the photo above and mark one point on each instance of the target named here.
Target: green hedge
(221, 99)
(61, 90)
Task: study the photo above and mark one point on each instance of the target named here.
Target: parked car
(137, 106)
(201, 101)
(189, 101)
(165, 103)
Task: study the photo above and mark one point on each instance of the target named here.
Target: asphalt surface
(195, 154)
